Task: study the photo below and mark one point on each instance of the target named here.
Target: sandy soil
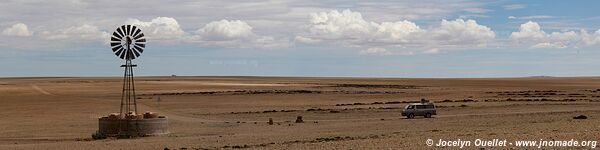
(339, 113)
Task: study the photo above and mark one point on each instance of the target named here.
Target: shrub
(98, 136)
(580, 117)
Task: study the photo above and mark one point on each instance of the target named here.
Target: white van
(425, 109)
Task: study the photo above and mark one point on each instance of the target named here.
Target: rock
(580, 117)
(299, 119)
(270, 121)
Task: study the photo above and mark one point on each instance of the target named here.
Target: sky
(338, 38)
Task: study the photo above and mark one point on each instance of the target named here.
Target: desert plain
(338, 113)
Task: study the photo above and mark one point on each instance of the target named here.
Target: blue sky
(306, 38)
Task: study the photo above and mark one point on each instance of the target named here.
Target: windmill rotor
(128, 42)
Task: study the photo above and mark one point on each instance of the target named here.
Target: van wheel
(428, 115)
(410, 116)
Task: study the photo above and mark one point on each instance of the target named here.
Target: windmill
(128, 43)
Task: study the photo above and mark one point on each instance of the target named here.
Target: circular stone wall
(140, 127)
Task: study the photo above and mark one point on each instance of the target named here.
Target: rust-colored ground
(339, 113)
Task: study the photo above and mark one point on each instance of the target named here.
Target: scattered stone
(580, 117)
(269, 111)
(447, 100)
(299, 119)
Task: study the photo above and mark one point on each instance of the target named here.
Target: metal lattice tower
(128, 43)
(128, 100)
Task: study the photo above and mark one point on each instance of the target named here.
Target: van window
(410, 107)
(420, 106)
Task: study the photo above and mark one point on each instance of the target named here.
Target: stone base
(133, 127)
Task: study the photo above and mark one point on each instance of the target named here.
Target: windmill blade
(133, 28)
(123, 30)
(119, 47)
(135, 51)
(117, 35)
(119, 51)
(141, 49)
(128, 30)
(140, 40)
(114, 44)
(140, 45)
(115, 39)
(139, 36)
(120, 32)
(136, 32)
(123, 54)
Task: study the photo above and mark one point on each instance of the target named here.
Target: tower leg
(128, 108)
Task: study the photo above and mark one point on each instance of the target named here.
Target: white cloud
(399, 31)
(235, 33)
(335, 24)
(514, 6)
(302, 39)
(375, 51)
(272, 21)
(588, 39)
(549, 45)
(226, 30)
(531, 34)
(77, 33)
(18, 29)
(531, 17)
(462, 33)
(225, 33)
(351, 29)
(160, 28)
(476, 10)
(528, 30)
(432, 51)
